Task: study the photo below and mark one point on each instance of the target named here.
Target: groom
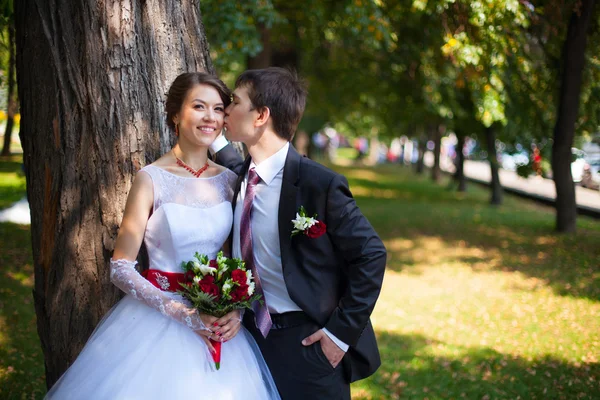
(320, 289)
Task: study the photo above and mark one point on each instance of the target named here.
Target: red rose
(189, 276)
(208, 286)
(213, 264)
(318, 229)
(239, 276)
(240, 293)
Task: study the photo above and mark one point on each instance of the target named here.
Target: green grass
(21, 359)
(478, 302)
(12, 180)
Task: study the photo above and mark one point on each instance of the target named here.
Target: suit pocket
(321, 356)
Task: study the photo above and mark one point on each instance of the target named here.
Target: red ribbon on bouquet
(216, 356)
(165, 281)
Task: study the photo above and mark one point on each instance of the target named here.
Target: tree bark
(92, 78)
(573, 56)
(12, 102)
(496, 187)
(436, 135)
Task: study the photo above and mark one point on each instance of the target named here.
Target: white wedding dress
(147, 346)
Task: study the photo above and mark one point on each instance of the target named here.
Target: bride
(152, 344)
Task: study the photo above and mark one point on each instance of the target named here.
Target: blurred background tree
(7, 65)
(497, 72)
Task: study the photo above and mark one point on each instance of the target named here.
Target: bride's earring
(177, 130)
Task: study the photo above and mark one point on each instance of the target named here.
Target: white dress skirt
(137, 352)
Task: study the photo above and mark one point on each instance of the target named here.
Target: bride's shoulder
(224, 170)
(229, 177)
(163, 162)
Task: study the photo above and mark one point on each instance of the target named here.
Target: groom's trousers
(300, 372)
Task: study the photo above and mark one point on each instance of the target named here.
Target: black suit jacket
(337, 277)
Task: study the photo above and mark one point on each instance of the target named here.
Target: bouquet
(216, 287)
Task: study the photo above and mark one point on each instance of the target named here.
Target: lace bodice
(189, 215)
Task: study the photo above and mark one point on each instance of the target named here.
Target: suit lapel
(240, 179)
(236, 191)
(287, 205)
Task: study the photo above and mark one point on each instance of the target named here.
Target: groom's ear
(264, 113)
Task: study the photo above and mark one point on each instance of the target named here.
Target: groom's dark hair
(282, 91)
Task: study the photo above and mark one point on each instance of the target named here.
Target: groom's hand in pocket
(331, 350)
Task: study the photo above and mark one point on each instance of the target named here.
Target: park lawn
(478, 302)
(12, 180)
(21, 359)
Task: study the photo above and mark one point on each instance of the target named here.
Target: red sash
(166, 281)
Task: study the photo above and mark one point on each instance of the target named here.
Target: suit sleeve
(365, 259)
(230, 158)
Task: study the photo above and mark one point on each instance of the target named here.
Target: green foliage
(6, 21)
(232, 29)
(7, 11)
(388, 68)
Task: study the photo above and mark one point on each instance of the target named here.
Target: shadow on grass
(423, 223)
(21, 359)
(410, 372)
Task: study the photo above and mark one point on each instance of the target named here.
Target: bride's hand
(208, 343)
(229, 325)
(209, 321)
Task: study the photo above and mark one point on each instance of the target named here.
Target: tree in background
(485, 70)
(7, 24)
(571, 77)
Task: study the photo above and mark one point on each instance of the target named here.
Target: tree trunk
(12, 103)
(421, 148)
(436, 134)
(286, 54)
(496, 187)
(262, 59)
(92, 78)
(459, 174)
(573, 56)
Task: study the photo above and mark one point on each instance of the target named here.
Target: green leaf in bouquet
(202, 258)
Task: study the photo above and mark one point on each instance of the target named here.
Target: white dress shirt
(265, 231)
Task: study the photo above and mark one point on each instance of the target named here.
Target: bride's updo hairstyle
(182, 85)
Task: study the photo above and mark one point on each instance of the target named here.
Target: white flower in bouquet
(222, 269)
(227, 286)
(196, 266)
(207, 270)
(221, 259)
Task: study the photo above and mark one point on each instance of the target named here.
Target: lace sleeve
(124, 276)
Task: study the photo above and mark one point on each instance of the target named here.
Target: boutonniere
(309, 226)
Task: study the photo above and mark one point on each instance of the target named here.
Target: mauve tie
(261, 312)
